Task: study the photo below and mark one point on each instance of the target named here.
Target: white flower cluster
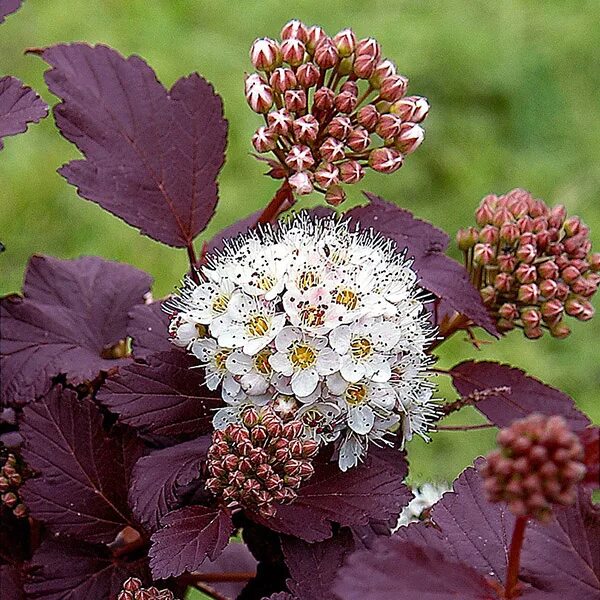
(324, 322)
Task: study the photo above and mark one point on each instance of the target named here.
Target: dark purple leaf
(188, 537)
(280, 596)
(372, 491)
(527, 394)
(438, 273)
(7, 7)
(11, 583)
(398, 570)
(148, 327)
(313, 567)
(72, 312)
(67, 570)
(151, 155)
(164, 397)
(158, 479)
(19, 104)
(590, 439)
(83, 475)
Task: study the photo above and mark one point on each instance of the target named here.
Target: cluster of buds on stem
(260, 462)
(11, 479)
(133, 589)
(333, 107)
(538, 463)
(532, 264)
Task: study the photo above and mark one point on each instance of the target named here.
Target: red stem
(511, 589)
(282, 200)
(193, 261)
(464, 427)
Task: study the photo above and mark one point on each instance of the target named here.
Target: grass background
(514, 92)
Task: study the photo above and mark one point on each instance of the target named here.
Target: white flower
(366, 349)
(183, 330)
(322, 421)
(248, 324)
(304, 358)
(313, 310)
(254, 372)
(214, 360)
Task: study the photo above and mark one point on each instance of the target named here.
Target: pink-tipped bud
(533, 333)
(570, 274)
(571, 225)
(385, 160)
(306, 129)
(351, 171)
(368, 47)
(548, 270)
(528, 293)
(358, 139)
(259, 96)
(345, 41)
(526, 253)
(264, 140)
(393, 88)
(410, 138)
(488, 295)
(594, 261)
(509, 311)
(323, 99)
(326, 54)
(265, 54)
(489, 234)
(364, 65)
(484, 213)
(368, 117)
(483, 254)
(299, 158)
(467, 238)
(295, 100)
(412, 108)
(531, 317)
(548, 288)
(526, 273)
(315, 35)
(504, 282)
(283, 79)
(340, 127)
(560, 331)
(327, 175)
(293, 51)
(335, 195)
(552, 310)
(345, 102)
(332, 150)
(301, 183)
(507, 263)
(383, 70)
(308, 75)
(294, 29)
(389, 126)
(280, 121)
(502, 216)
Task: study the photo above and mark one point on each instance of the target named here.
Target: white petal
(350, 370)
(251, 347)
(232, 337)
(204, 349)
(239, 363)
(337, 384)
(328, 362)
(304, 382)
(281, 363)
(381, 371)
(339, 339)
(361, 419)
(225, 416)
(351, 451)
(254, 384)
(287, 336)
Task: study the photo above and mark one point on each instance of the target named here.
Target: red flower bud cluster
(260, 462)
(539, 463)
(134, 590)
(11, 479)
(532, 264)
(333, 107)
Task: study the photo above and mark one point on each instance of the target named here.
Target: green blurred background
(514, 88)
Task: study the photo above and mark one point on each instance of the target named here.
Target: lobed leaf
(187, 538)
(83, 475)
(72, 311)
(165, 397)
(527, 394)
(19, 104)
(151, 156)
(159, 478)
(11, 583)
(426, 244)
(148, 327)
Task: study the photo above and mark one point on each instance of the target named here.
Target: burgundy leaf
(313, 567)
(19, 104)
(11, 583)
(83, 475)
(164, 397)
(281, 596)
(527, 394)
(148, 327)
(188, 537)
(398, 570)
(159, 478)
(374, 490)
(438, 273)
(151, 155)
(67, 570)
(7, 7)
(590, 439)
(72, 312)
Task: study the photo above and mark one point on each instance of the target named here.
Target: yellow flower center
(302, 356)
(257, 325)
(356, 393)
(308, 279)
(220, 303)
(265, 283)
(346, 298)
(312, 316)
(361, 347)
(221, 359)
(261, 362)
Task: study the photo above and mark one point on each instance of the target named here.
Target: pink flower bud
(280, 121)
(308, 75)
(507, 263)
(539, 224)
(264, 140)
(526, 253)
(526, 273)
(265, 54)
(294, 29)
(335, 195)
(259, 96)
(595, 261)
(557, 216)
(327, 175)
(552, 310)
(489, 234)
(389, 126)
(504, 282)
(358, 139)
(560, 331)
(340, 127)
(326, 54)
(548, 288)
(364, 65)
(502, 216)
(587, 313)
(345, 102)
(542, 240)
(292, 51)
(531, 317)
(295, 100)
(466, 238)
(528, 293)
(410, 138)
(484, 213)
(306, 129)
(351, 171)
(574, 306)
(508, 311)
(412, 108)
(301, 183)
(548, 270)
(299, 158)
(483, 254)
(283, 79)
(368, 117)
(345, 41)
(345, 66)
(332, 150)
(385, 160)
(488, 295)
(571, 225)
(368, 47)
(383, 70)
(562, 290)
(393, 87)
(569, 274)
(323, 99)
(315, 35)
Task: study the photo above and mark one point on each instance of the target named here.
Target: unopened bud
(345, 41)
(295, 100)
(504, 282)
(264, 140)
(526, 253)
(410, 138)
(332, 150)
(412, 108)
(299, 158)
(351, 171)
(335, 195)
(385, 160)
(489, 234)
(306, 129)
(345, 102)
(358, 139)
(340, 127)
(389, 126)
(552, 310)
(509, 311)
(283, 79)
(368, 117)
(572, 225)
(548, 288)
(526, 273)
(570, 274)
(531, 317)
(326, 54)
(293, 51)
(259, 97)
(393, 87)
(466, 238)
(294, 29)
(528, 293)
(483, 254)
(265, 54)
(323, 99)
(327, 175)
(315, 35)
(301, 183)
(308, 75)
(280, 121)
(383, 70)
